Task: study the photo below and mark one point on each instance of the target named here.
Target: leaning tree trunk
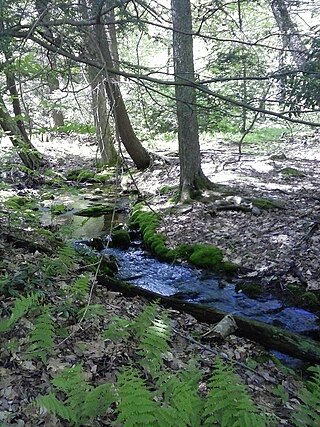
(27, 152)
(191, 175)
(136, 151)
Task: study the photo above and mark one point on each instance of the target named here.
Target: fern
(180, 392)
(60, 265)
(21, 306)
(154, 343)
(136, 406)
(42, 336)
(308, 414)
(145, 318)
(54, 406)
(118, 329)
(80, 287)
(91, 311)
(82, 401)
(228, 402)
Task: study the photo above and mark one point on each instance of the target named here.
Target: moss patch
(292, 172)
(203, 256)
(120, 239)
(268, 204)
(95, 210)
(252, 290)
(81, 175)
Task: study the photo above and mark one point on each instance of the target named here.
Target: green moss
(310, 300)
(252, 290)
(120, 239)
(203, 256)
(80, 175)
(268, 204)
(95, 210)
(206, 256)
(293, 172)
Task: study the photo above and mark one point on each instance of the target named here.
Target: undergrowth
(145, 392)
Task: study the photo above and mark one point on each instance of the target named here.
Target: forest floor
(279, 245)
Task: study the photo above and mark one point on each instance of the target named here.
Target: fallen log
(269, 336)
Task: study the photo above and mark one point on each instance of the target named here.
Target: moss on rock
(268, 204)
(252, 290)
(203, 256)
(120, 239)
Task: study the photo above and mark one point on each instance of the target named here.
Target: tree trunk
(136, 151)
(27, 152)
(291, 38)
(101, 117)
(269, 336)
(191, 175)
(53, 84)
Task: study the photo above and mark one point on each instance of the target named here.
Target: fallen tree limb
(269, 336)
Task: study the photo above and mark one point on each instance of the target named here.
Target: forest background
(178, 91)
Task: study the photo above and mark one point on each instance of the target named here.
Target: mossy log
(269, 336)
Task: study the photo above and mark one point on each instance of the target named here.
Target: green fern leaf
(136, 407)
(42, 337)
(308, 414)
(21, 306)
(228, 403)
(80, 287)
(97, 401)
(54, 406)
(118, 329)
(154, 344)
(144, 319)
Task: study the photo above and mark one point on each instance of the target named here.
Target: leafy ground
(279, 246)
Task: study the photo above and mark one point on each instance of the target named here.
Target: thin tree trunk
(191, 175)
(27, 152)
(101, 117)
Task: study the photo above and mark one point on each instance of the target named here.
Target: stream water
(202, 287)
(191, 284)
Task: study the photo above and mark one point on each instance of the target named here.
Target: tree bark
(101, 117)
(191, 175)
(291, 38)
(26, 151)
(294, 345)
(136, 151)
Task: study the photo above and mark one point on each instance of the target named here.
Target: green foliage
(79, 289)
(75, 127)
(308, 413)
(91, 311)
(41, 338)
(136, 406)
(60, 265)
(154, 344)
(118, 329)
(21, 307)
(228, 402)
(82, 401)
(206, 256)
(80, 175)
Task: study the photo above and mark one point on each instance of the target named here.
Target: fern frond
(80, 287)
(41, 339)
(54, 406)
(154, 344)
(136, 407)
(118, 329)
(308, 414)
(179, 391)
(91, 311)
(60, 265)
(228, 403)
(21, 306)
(144, 319)
(72, 382)
(97, 401)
